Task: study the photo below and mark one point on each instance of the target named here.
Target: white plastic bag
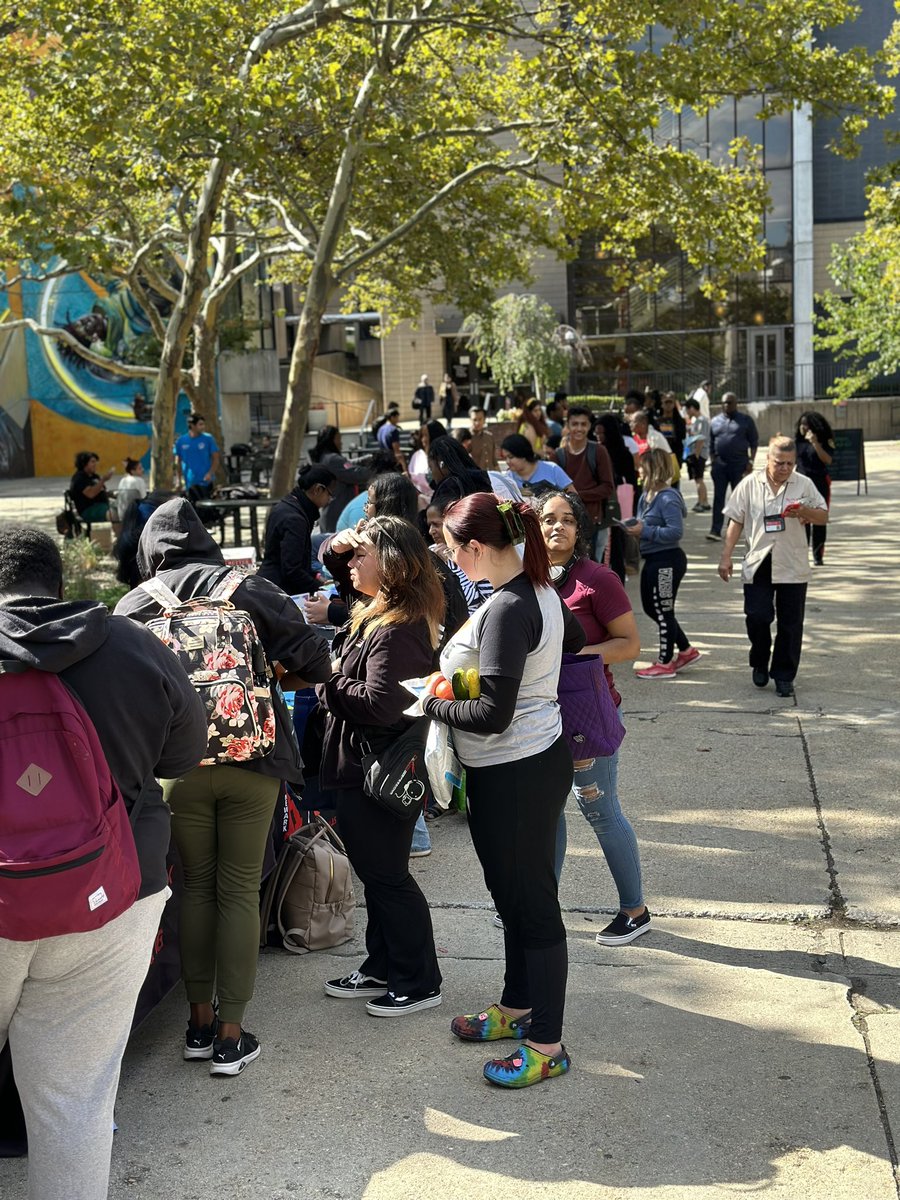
(443, 767)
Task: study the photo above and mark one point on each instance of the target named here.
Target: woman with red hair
(518, 770)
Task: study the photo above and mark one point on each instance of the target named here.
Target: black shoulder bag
(395, 775)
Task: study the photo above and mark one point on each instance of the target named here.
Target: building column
(804, 297)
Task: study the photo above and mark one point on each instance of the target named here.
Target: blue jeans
(601, 537)
(596, 792)
(421, 839)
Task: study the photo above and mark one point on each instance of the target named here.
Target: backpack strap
(161, 593)
(227, 586)
(591, 458)
(13, 666)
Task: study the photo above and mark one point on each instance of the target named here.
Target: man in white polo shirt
(772, 507)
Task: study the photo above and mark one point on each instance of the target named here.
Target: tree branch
(126, 370)
(304, 246)
(25, 277)
(349, 265)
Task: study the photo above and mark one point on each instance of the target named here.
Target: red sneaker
(657, 671)
(685, 658)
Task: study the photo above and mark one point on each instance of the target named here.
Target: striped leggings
(660, 579)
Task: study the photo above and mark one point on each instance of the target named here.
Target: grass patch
(89, 574)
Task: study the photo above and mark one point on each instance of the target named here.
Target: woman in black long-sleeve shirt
(391, 636)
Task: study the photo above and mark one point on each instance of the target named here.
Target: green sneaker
(525, 1067)
(490, 1026)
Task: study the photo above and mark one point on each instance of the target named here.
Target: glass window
(693, 132)
(721, 131)
(778, 218)
(667, 130)
(747, 124)
(778, 141)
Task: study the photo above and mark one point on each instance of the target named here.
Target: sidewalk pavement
(749, 1043)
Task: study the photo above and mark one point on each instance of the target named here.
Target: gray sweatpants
(66, 1005)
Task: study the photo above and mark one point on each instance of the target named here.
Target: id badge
(775, 524)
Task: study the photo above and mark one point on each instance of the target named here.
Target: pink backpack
(68, 862)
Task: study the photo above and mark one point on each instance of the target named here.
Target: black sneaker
(355, 985)
(198, 1043)
(784, 687)
(760, 677)
(712, 536)
(624, 929)
(390, 1005)
(230, 1056)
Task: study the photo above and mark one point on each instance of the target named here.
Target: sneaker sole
(234, 1068)
(419, 853)
(361, 993)
(431, 1002)
(192, 1055)
(638, 675)
(624, 939)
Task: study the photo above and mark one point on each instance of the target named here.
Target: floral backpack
(220, 649)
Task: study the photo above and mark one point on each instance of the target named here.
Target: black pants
(816, 534)
(399, 936)
(724, 475)
(513, 814)
(660, 578)
(784, 603)
(618, 540)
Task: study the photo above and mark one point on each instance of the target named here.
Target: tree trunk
(206, 400)
(193, 285)
(299, 387)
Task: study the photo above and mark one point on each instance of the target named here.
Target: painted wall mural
(52, 402)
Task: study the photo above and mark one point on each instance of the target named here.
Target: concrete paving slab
(711, 1058)
(883, 1034)
(871, 958)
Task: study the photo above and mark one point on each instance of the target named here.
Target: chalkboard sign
(849, 460)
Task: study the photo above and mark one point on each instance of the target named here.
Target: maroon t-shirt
(594, 594)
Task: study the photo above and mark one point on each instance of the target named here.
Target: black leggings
(660, 579)
(816, 534)
(513, 814)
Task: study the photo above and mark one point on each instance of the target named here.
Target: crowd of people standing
(503, 564)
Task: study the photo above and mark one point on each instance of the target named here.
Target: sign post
(849, 460)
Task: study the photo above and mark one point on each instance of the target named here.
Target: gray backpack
(309, 897)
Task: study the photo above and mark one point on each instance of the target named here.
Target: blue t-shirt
(388, 434)
(195, 454)
(545, 472)
(353, 512)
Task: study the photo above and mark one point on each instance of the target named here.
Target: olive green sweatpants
(220, 821)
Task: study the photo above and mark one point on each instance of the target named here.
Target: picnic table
(223, 509)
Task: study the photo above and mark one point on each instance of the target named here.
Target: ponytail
(536, 561)
(499, 522)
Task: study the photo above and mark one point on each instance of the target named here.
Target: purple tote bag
(590, 720)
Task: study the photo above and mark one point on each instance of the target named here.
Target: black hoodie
(148, 717)
(177, 548)
(287, 559)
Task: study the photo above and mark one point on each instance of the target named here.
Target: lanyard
(767, 499)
